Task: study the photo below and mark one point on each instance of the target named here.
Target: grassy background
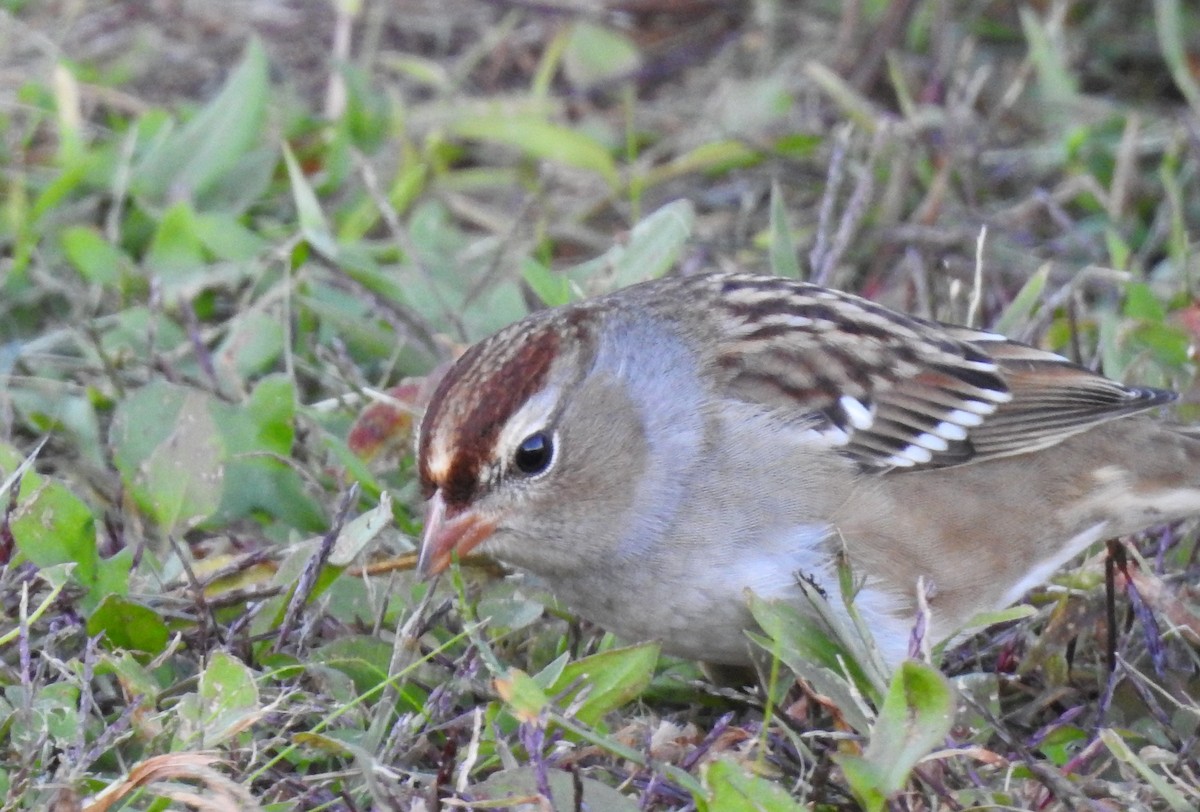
(227, 227)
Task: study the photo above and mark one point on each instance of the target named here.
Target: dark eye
(534, 454)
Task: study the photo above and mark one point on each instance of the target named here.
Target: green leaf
(129, 625)
(522, 782)
(363, 658)
(1141, 303)
(1120, 252)
(176, 254)
(521, 694)
(606, 681)
(596, 54)
(1171, 345)
(97, 260)
(798, 145)
(224, 237)
(52, 525)
(1170, 25)
(361, 531)
(225, 704)
(654, 247)
(167, 446)
(803, 644)
(731, 788)
(56, 710)
(1160, 784)
(554, 289)
(252, 344)
(541, 140)
(1020, 310)
(916, 717)
(784, 261)
(985, 619)
(506, 607)
(206, 153)
(713, 158)
(255, 437)
(1056, 81)
(313, 224)
(56, 578)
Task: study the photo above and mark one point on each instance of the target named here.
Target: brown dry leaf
(671, 742)
(385, 427)
(65, 800)
(222, 794)
(980, 754)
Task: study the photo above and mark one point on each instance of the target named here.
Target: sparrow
(656, 454)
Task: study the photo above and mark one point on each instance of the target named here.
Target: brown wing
(1052, 399)
(894, 391)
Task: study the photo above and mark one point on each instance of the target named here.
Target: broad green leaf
(800, 643)
(206, 152)
(606, 681)
(1141, 303)
(522, 782)
(176, 254)
(252, 344)
(255, 437)
(51, 525)
(1171, 345)
(55, 711)
(53, 528)
(554, 289)
(915, 718)
(328, 587)
(225, 704)
(731, 788)
(596, 54)
(56, 410)
(1057, 83)
(363, 658)
(97, 260)
(167, 446)
(506, 607)
(226, 238)
(184, 475)
(129, 626)
(541, 140)
(142, 422)
(361, 531)
(654, 247)
(245, 185)
(522, 695)
(56, 193)
(656, 243)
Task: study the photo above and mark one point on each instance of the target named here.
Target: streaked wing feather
(894, 391)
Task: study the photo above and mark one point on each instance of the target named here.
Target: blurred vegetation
(228, 228)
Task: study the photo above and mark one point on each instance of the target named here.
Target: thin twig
(308, 578)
